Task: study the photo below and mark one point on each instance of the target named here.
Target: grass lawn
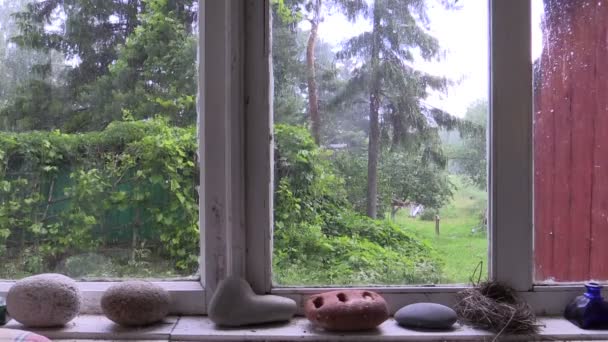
(460, 249)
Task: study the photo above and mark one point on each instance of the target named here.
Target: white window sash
(510, 165)
(510, 136)
(222, 126)
(236, 153)
(259, 149)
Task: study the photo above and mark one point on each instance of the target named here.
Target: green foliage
(307, 189)
(429, 214)
(471, 155)
(286, 11)
(319, 239)
(402, 175)
(109, 56)
(65, 194)
(385, 55)
(410, 176)
(70, 200)
(289, 67)
(382, 73)
(461, 249)
(23, 68)
(155, 73)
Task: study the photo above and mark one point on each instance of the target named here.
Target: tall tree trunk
(313, 94)
(374, 125)
(131, 17)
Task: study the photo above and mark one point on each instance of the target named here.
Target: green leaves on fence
(133, 183)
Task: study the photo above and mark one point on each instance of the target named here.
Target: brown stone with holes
(346, 310)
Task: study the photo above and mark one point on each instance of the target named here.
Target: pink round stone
(346, 310)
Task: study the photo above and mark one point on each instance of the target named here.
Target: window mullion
(510, 169)
(258, 146)
(222, 153)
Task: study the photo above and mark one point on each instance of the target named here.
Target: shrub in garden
(124, 201)
(429, 214)
(403, 175)
(63, 195)
(320, 239)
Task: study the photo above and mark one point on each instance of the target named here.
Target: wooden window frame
(511, 257)
(236, 154)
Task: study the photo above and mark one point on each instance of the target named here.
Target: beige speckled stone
(135, 303)
(44, 300)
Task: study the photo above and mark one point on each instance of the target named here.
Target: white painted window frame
(510, 164)
(236, 153)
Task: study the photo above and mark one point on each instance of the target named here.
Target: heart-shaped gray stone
(235, 304)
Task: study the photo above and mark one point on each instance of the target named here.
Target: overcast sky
(462, 34)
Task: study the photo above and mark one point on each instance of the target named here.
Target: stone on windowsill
(426, 316)
(44, 300)
(347, 310)
(235, 304)
(135, 303)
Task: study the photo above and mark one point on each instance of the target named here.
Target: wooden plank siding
(571, 143)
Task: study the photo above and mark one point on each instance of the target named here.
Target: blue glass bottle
(589, 311)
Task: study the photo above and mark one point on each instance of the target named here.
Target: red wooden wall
(571, 143)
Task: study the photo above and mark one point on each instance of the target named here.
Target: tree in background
(76, 66)
(350, 8)
(287, 57)
(319, 239)
(470, 153)
(155, 73)
(288, 41)
(89, 35)
(7, 30)
(314, 6)
(402, 175)
(342, 89)
(18, 69)
(395, 90)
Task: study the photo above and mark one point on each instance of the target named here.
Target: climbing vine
(130, 185)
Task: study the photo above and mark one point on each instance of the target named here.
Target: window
(236, 183)
(380, 115)
(98, 119)
(98, 143)
(510, 168)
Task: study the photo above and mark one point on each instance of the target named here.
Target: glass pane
(570, 140)
(98, 169)
(380, 112)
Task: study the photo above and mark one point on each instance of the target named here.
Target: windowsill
(200, 328)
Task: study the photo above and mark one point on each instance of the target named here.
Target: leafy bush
(402, 175)
(67, 194)
(72, 200)
(429, 214)
(320, 239)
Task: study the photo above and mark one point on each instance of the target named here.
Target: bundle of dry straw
(495, 307)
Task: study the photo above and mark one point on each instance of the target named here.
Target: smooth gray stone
(44, 300)
(426, 316)
(235, 304)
